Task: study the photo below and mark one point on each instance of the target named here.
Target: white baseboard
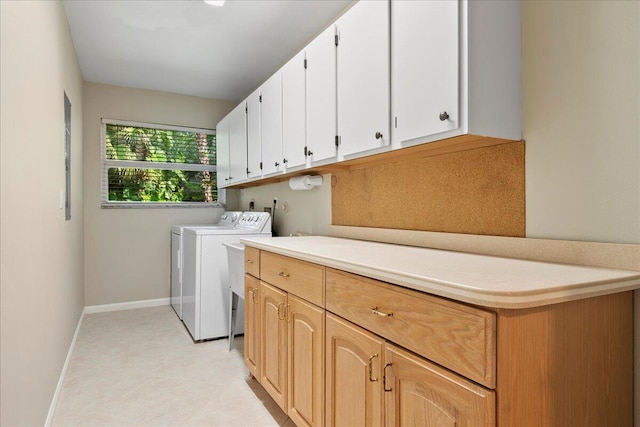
(126, 305)
(56, 394)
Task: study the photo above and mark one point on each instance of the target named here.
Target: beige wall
(308, 211)
(127, 251)
(581, 108)
(41, 258)
(581, 116)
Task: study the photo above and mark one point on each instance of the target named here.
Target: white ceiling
(190, 47)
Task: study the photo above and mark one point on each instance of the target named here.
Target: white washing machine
(205, 286)
(227, 220)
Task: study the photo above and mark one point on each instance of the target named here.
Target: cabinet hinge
(337, 38)
(248, 171)
(305, 64)
(396, 122)
(246, 109)
(337, 140)
(306, 151)
(260, 165)
(260, 98)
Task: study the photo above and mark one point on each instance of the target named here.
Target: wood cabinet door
(254, 137)
(424, 68)
(321, 96)
(353, 375)
(252, 325)
(271, 121)
(420, 393)
(222, 152)
(238, 144)
(273, 343)
(306, 362)
(294, 104)
(363, 78)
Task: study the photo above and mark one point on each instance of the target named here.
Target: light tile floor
(141, 368)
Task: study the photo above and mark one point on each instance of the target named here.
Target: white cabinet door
(222, 152)
(321, 97)
(424, 68)
(238, 144)
(254, 142)
(271, 114)
(293, 112)
(363, 77)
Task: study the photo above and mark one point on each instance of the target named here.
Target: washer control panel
(254, 221)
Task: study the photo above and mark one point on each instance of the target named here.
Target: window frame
(106, 164)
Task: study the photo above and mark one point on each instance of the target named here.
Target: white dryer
(227, 220)
(205, 286)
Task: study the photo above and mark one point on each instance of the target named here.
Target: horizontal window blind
(150, 163)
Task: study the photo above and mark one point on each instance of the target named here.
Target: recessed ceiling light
(215, 2)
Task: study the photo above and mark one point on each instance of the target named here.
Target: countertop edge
(487, 299)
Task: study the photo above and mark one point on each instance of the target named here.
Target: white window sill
(153, 205)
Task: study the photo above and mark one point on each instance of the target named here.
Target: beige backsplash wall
(308, 211)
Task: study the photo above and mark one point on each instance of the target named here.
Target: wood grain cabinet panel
(457, 336)
(301, 278)
(252, 325)
(273, 343)
(353, 393)
(306, 362)
(252, 261)
(420, 393)
(568, 364)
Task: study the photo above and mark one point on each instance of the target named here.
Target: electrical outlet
(285, 207)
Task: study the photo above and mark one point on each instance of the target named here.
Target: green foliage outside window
(140, 184)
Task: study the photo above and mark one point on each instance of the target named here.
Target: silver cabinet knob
(277, 164)
(378, 135)
(444, 116)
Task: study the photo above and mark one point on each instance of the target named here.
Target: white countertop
(477, 279)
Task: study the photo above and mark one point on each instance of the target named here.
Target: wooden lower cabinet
(273, 343)
(306, 362)
(292, 358)
(372, 382)
(252, 325)
(354, 375)
(420, 393)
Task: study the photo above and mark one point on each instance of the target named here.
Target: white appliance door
(191, 283)
(176, 286)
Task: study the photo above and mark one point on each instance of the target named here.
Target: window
(157, 165)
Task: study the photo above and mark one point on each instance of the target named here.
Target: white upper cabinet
(321, 98)
(389, 74)
(238, 144)
(455, 70)
(294, 106)
(222, 152)
(363, 78)
(271, 120)
(424, 68)
(254, 140)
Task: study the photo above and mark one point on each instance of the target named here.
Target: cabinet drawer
(454, 335)
(300, 278)
(252, 261)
